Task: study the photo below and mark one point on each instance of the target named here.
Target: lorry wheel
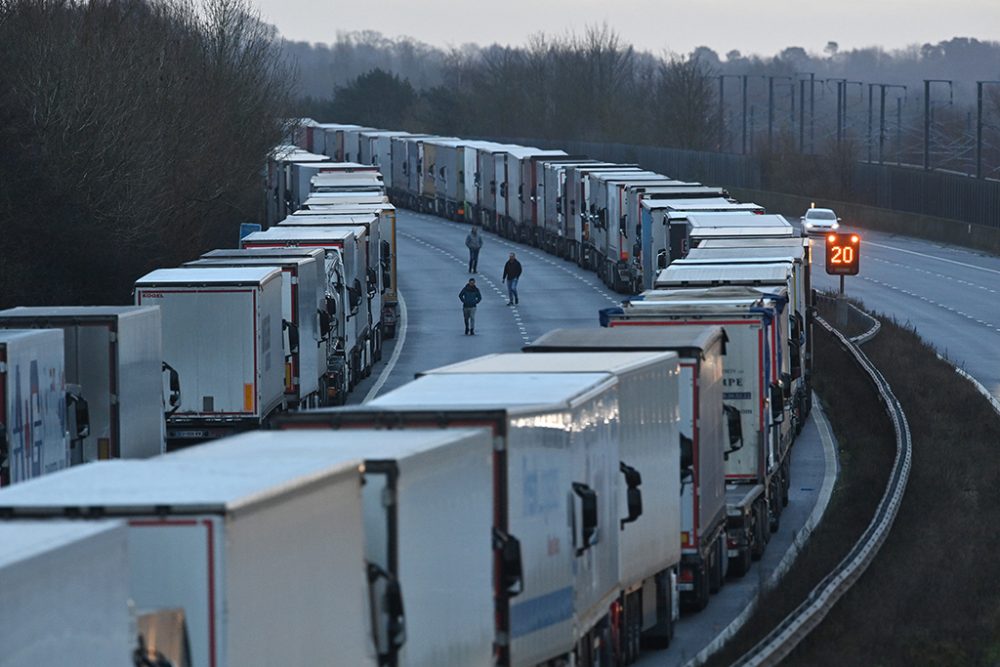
(740, 564)
(659, 636)
(701, 588)
(760, 535)
(714, 568)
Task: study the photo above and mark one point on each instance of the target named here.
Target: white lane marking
(980, 387)
(830, 472)
(384, 375)
(927, 300)
(940, 259)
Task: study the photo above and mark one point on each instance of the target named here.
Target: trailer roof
(756, 242)
(683, 338)
(762, 220)
(318, 234)
(24, 540)
(349, 197)
(73, 312)
(721, 274)
(333, 207)
(167, 485)
(477, 391)
(334, 447)
(340, 167)
(695, 204)
(250, 261)
(708, 298)
(347, 179)
(329, 218)
(207, 276)
(316, 253)
(573, 362)
(745, 253)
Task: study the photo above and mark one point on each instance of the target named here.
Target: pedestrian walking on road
(511, 274)
(474, 241)
(470, 296)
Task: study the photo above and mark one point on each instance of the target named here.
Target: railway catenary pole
(871, 87)
(927, 114)
(979, 125)
(770, 107)
(881, 117)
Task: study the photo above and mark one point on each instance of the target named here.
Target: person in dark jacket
(474, 242)
(470, 296)
(511, 274)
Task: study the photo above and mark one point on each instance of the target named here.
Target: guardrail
(811, 612)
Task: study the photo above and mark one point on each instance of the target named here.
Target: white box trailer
(612, 254)
(283, 193)
(33, 437)
(448, 171)
(114, 354)
(65, 594)
(351, 142)
(303, 311)
(578, 195)
(344, 268)
(367, 230)
(222, 332)
(756, 473)
(431, 159)
(776, 279)
(552, 204)
(531, 190)
(303, 173)
(649, 512)
(333, 139)
(333, 199)
(402, 188)
(702, 425)
(264, 556)
(555, 519)
(765, 246)
(427, 528)
(371, 141)
(664, 226)
(333, 383)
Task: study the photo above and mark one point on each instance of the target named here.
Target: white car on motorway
(819, 221)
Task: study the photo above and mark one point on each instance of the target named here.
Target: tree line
(134, 133)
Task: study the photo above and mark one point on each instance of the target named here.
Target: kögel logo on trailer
(843, 254)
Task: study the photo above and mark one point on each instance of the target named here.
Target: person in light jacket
(511, 274)
(474, 242)
(470, 296)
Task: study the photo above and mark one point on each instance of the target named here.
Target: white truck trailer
(344, 268)
(577, 206)
(555, 529)
(33, 437)
(776, 278)
(65, 593)
(649, 445)
(704, 421)
(756, 473)
(370, 252)
(266, 557)
(551, 209)
(427, 529)
(304, 334)
(333, 385)
(222, 332)
(114, 355)
(301, 176)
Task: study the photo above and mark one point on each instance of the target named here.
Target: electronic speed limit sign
(843, 254)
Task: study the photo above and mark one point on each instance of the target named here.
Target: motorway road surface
(951, 295)
(433, 264)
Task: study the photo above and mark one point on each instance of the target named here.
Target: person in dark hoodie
(474, 242)
(511, 274)
(470, 296)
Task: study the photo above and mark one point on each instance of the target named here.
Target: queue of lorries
(557, 506)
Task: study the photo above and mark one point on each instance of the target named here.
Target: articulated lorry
(703, 424)
(114, 358)
(649, 485)
(222, 332)
(555, 511)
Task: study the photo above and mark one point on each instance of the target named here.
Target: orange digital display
(843, 254)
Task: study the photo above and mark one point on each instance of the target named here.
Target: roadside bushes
(134, 135)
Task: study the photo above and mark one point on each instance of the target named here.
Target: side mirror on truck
(174, 384)
(734, 429)
(388, 617)
(293, 335)
(661, 259)
(588, 516)
(512, 572)
(324, 323)
(687, 460)
(776, 395)
(633, 480)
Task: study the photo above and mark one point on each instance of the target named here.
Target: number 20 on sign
(843, 254)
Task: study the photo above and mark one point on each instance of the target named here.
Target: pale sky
(762, 27)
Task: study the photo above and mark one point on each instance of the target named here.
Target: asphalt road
(433, 263)
(950, 295)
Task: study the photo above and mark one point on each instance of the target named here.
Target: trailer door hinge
(3, 367)
(388, 497)
(113, 336)
(114, 399)
(498, 444)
